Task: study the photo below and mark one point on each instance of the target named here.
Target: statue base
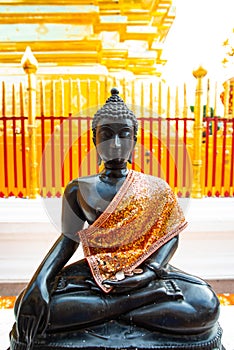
(114, 335)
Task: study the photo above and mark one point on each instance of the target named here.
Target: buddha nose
(116, 142)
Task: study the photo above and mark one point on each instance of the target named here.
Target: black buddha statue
(124, 293)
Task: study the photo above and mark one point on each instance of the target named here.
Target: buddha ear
(130, 156)
(99, 159)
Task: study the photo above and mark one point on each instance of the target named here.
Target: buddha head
(114, 131)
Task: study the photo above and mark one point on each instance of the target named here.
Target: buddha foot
(114, 335)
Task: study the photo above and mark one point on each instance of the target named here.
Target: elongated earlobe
(99, 160)
(130, 155)
(130, 158)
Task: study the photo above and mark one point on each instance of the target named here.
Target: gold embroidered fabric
(141, 218)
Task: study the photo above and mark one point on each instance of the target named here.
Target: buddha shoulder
(77, 183)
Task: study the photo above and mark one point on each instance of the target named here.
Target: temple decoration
(228, 46)
(228, 85)
(118, 35)
(227, 97)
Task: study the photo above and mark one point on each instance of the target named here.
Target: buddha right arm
(32, 311)
(54, 261)
(64, 247)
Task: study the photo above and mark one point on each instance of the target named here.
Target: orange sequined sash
(143, 215)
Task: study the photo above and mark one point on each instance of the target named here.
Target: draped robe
(143, 215)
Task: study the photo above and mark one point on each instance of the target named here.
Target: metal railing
(43, 148)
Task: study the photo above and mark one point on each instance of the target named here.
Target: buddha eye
(105, 133)
(125, 133)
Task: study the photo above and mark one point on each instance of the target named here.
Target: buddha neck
(115, 170)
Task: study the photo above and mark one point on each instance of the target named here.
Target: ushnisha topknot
(114, 108)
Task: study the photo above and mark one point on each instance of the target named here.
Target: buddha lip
(117, 163)
(117, 158)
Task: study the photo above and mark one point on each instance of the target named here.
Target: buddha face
(115, 140)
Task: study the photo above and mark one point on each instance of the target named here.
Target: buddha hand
(138, 280)
(33, 313)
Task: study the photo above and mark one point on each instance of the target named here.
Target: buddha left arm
(163, 255)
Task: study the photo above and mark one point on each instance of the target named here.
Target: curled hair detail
(115, 109)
